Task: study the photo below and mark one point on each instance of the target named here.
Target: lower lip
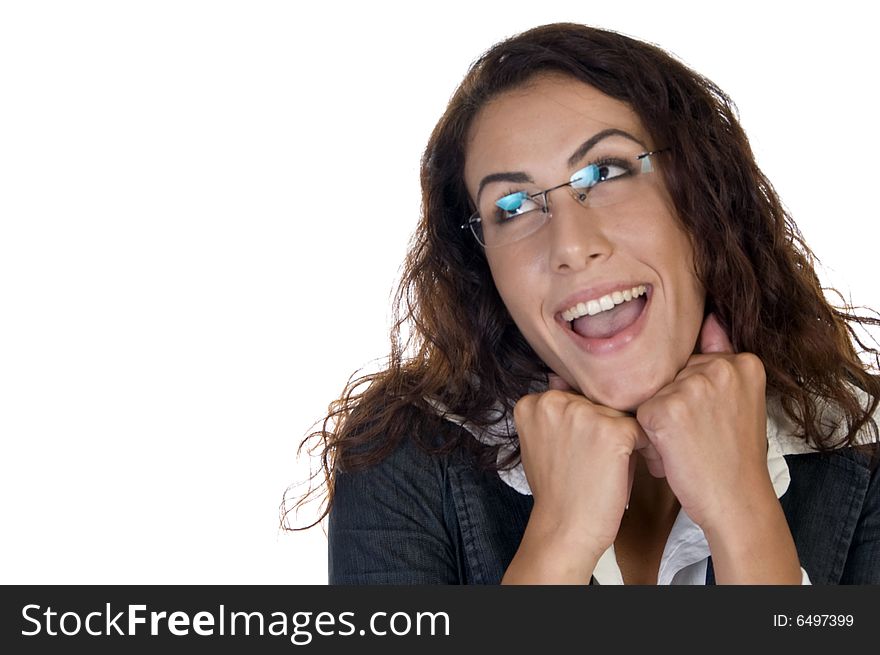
(618, 341)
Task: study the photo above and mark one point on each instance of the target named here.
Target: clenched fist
(579, 459)
(709, 428)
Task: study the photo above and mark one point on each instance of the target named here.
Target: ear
(713, 337)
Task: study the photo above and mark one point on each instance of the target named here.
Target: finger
(713, 337)
(556, 382)
(651, 455)
(653, 461)
(631, 479)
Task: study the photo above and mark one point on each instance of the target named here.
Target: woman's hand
(709, 428)
(579, 459)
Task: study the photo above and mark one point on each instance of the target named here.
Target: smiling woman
(621, 367)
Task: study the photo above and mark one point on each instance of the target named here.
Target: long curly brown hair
(454, 341)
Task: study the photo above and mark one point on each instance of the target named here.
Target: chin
(627, 402)
(625, 393)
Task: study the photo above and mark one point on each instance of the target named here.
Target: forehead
(537, 126)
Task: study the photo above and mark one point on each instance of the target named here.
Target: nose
(576, 235)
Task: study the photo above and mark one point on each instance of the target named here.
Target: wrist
(734, 516)
(754, 545)
(565, 535)
(551, 554)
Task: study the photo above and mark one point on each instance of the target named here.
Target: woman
(620, 365)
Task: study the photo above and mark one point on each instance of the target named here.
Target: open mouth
(610, 321)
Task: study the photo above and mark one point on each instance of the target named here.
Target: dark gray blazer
(422, 519)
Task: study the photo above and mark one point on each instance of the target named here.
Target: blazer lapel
(822, 506)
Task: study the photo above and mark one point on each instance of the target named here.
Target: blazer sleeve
(863, 560)
(388, 524)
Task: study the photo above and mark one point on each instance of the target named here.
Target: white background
(203, 207)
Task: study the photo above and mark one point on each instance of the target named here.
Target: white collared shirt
(686, 553)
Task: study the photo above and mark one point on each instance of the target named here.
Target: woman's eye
(585, 177)
(515, 204)
(610, 171)
(512, 202)
(590, 176)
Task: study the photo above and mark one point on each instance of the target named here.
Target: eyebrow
(583, 149)
(588, 145)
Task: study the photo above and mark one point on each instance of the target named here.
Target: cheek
(516, 280)
(692, 290)
(672, 251)
(511, 270)
(688, 309)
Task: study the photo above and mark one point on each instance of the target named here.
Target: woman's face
(533, 138)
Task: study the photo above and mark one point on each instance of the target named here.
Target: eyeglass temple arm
(652, 152)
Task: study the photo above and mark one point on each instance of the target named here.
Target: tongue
(608, 323)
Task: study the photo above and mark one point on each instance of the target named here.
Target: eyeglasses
(514, 216)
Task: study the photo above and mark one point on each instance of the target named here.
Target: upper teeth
(602, 304)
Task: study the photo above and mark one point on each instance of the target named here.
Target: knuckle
(523, 408)
(550, 402)
(752, 365)
(553, 397)
(721, 368)
(702, 384)
(677, 407)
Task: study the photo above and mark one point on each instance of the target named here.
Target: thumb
(631, 478)
(713, 337)
(556, 382)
